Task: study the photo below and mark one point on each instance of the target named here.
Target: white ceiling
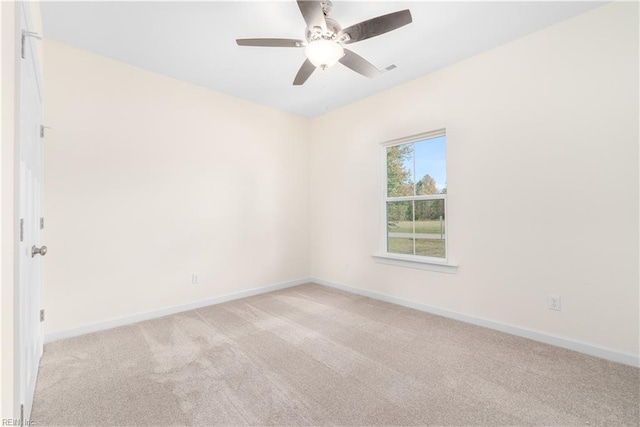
(195, 42)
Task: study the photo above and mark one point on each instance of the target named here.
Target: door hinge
(22, 414)
(21, 229)
(42, 315)
(42, 128)
(41, 223)
(26, 34)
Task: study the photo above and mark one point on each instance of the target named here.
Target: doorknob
(41, 251)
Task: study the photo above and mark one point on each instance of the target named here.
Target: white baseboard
(139, 317)
(615, 356)
(603, 353)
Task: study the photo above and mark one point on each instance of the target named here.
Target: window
(415, 200)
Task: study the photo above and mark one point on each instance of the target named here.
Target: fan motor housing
(315, 33)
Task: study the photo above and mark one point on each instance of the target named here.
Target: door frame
(10, 131)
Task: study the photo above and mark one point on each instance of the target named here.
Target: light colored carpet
(312, 355)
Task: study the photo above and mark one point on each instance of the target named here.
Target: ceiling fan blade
(304, 72)
(312, 13)
(358, 64)
(376, 26)
(270, 42)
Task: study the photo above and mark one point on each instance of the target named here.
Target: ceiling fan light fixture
(325, 38)
(324, 53)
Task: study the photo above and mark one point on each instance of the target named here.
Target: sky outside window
(430, 158)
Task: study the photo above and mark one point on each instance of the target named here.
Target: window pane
(400, 227)
(430, 228)
(400, 170)
(431, 166)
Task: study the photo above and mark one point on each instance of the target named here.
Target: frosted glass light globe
(324, 53)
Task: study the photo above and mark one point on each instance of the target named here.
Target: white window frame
(412, 261)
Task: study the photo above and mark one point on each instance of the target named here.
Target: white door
(30, 335)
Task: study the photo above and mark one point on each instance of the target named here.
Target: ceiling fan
(325, 39)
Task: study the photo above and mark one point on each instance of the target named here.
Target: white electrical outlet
(554, 302)
(195, 279)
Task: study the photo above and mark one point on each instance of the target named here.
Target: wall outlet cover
(554, 303)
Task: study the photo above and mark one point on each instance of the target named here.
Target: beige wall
(542, 182)
(150, 179)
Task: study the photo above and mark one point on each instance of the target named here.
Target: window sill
(411, 262)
